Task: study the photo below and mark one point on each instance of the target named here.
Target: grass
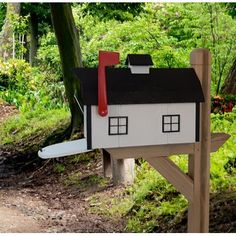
(24, 125)
(59, 168)
(111, 205)
(78, 180)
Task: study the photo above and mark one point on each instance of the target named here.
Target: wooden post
(199, 162)
(106, 163)
(121, 170)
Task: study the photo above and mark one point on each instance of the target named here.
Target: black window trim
(171, 123)
(118, 125)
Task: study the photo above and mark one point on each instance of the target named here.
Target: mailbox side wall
(144, 125)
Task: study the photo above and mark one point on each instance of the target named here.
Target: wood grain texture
(150, 151)
(194, 210)
(198, 216)
(174, 175)
(217, 140)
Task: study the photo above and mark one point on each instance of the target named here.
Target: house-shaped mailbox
(144, 105)
(141, 111)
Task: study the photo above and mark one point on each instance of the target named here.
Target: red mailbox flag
(105, 59)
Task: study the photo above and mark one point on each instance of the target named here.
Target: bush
(48, 55)
(222, 104)
(29, 88)
(29, 124)
(15, 81)
(142, 35)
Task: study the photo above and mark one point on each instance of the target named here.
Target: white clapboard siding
(144, 125)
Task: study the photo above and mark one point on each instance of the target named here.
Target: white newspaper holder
(64, 149)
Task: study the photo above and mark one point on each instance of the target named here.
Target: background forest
(31, 78)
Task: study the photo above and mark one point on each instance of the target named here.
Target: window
(170, 123)
(118, 125)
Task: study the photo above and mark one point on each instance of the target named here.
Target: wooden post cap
(200, 56)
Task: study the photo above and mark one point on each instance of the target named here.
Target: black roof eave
(161, 86)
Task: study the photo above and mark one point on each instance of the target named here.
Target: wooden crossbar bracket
(174, 175)
(217, 140)
(150, 151)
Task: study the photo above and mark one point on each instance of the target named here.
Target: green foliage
(13, 72)
(17, 28)
(231, 7)
(41, 10)
(116, 11)
(49, 73)
(48, 55)
(223, 174)
(3, 9)
(222, 104)
(81, 158)
(153, 197)
(205, 25)
(85, 182)
(167, 31)
(142, 35)
(28, 124)
(59, 168)
(29, 88)
(15, 81)
(19, 23)
(73, 179)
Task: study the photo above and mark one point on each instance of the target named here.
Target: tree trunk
(229, 86)
(33, 38)
(6, 35)
(69, 47)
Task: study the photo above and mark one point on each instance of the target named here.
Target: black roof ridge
(139, 59)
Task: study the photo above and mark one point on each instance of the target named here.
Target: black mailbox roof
(160, 86)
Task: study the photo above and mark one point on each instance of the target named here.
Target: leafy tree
(200, 25)
(231, 6)
(229, 86)
(3, 9)
(222, 32)
(141, 35)
(116, 11)
(7, 34)
(39, 14)
(69, 47)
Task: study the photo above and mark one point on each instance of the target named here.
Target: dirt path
(50, 207)
(6, 110)
(13, 220)
(40, 202)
